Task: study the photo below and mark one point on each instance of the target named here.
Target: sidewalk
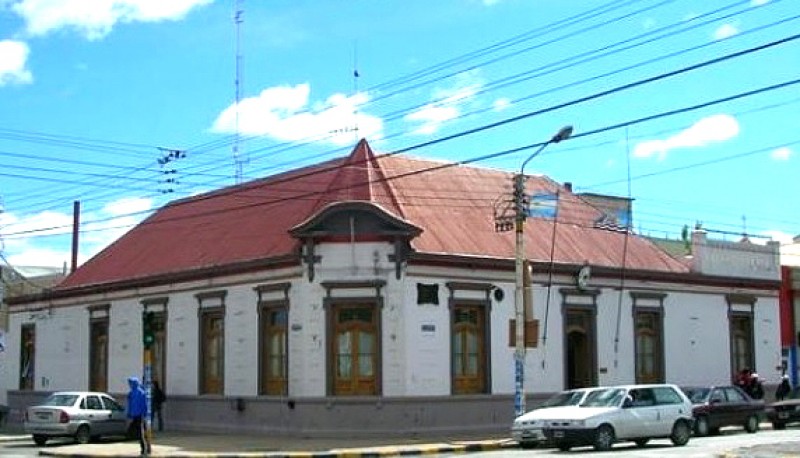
(194, 445)
(176, 445)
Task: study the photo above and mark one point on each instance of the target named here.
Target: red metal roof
(452, 204)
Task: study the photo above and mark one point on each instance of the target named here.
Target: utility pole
(148, 338)
(521, 202)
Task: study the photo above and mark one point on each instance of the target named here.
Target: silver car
(528, 429)
(78, 414)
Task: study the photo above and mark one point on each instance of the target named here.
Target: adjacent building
(373, 294)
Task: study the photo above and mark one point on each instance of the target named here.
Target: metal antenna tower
(237, 19)
(356, 75)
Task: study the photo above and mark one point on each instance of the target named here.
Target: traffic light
(148, 329)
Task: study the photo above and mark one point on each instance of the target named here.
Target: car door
(671, 406)
(719, 409)
(639, 414)
(96, 415)
(117, 420)
(739, 407)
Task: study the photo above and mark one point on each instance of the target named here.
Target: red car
(717, 406)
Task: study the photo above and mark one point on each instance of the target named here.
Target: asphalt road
(733, 443)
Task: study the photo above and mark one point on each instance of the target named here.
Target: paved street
(732, 444)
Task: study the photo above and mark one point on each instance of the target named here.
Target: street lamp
(519, 250)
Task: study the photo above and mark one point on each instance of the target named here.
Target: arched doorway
(579, 349)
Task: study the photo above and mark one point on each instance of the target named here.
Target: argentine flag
(543, 205)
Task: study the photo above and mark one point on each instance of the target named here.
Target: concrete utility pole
(521, 202)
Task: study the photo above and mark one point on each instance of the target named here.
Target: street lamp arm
(563, 134)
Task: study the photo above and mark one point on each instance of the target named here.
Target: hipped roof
(452, 204)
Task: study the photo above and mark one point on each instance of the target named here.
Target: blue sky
(97, 98)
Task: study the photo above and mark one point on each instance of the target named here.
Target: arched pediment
(354, 220)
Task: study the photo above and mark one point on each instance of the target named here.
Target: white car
(78, 414)
(528, 429)
(635, 413)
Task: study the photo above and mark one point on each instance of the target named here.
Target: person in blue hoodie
(137, 410)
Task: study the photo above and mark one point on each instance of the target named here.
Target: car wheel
(751, 424)
(680, 433)
(563, 446)
(604, 438)
(83, 435)
(527, 444)
(701, 426)
(641, 442)
(778, 425)
(39, 439)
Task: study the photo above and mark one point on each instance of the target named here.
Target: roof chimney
(568, 186)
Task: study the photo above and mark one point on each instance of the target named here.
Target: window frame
(741, 309)
(99, 341)
(471, 296)
(271, 299)
(27, 382)
(211, 306)
(158, 352)
(652, 305)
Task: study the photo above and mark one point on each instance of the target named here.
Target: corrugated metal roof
(453, 205)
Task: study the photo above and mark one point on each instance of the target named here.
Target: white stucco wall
(182, 339)
(696, 339)
(125, 357)
(62, 349)
(767, 339)
(415, 341)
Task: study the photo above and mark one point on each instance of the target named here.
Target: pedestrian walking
(756, 388)
(158, 401)
(136, 410)
(784, 388)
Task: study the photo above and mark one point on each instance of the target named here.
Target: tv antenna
(238, 19)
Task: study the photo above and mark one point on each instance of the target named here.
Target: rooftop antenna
(745, 238)
(237, 19)
(356, 75)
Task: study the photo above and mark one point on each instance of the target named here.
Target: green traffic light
(148, 329)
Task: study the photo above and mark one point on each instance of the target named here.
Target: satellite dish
(583, 276)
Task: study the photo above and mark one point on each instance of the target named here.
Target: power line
(323, 168)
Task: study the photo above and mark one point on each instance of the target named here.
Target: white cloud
(13, 61)
(781, 154)
(95, 19)
(432, 117)
(779, 236)
(285, 113)
(127, 206)
(37, 239)
(501, 104)
(713, 129)
(725, 31)
(759, 2)
(447, 103)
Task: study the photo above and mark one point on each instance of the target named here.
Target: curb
(367, 452)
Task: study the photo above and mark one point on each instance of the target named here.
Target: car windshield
(610, 397)
(696, 395)
(566, 398)
(60, 400)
